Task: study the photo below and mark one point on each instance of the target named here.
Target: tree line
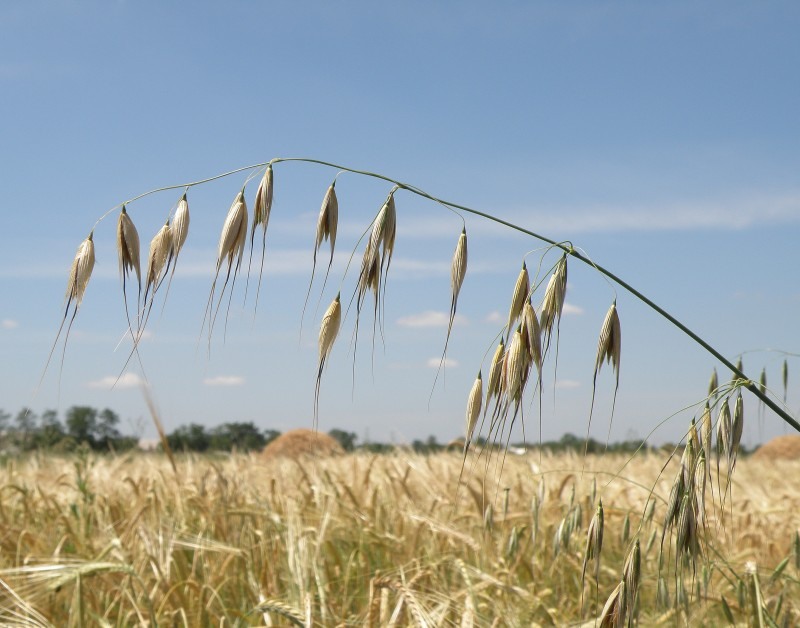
(84, 426)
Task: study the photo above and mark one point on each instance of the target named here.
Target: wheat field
(381, 540)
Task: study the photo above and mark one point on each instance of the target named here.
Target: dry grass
(365, 540)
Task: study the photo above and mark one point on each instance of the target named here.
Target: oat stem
(751, 385)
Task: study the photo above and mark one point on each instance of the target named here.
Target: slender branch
(746, 382)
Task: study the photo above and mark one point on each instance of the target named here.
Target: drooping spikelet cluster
(525, 343)
(376, 261)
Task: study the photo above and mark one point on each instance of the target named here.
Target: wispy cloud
(224, 381)
(572, 310)
(8, 323)
(126, 381)
(430, 318)
(449, 363)
(566, 384)
(494, 317)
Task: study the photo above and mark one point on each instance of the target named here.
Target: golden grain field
(380, 540)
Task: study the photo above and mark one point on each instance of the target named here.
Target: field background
(378, 540)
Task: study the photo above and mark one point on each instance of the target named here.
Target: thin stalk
(746, 382)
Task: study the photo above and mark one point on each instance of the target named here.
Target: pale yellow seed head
(738, 423)
(520, 295)
(609, 345)
(473, 408)
(157, 259)
(390, 226)
(329, 328)
(458, 268)
(232, 239)
(706, 430)
(724, 429)
(713, 383)
(128, 246)
(532, 335)
(495, 370)
(513, 366)
(262, 206)
(81, 271)
(180, 226)
(328, 220)
(553, 303)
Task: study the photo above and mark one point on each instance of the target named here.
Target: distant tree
(242, 436)
(106, 433)
(346, 439)
(192, 437)
(81, 424)
(50, 432)
(4, 418)
(431, 445)
(25, 422)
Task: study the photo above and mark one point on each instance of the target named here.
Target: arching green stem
(569, 250)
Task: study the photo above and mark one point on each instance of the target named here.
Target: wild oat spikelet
(631, 574)
(609, 346)
(694, 437)
(128, 248)
(594, 542)
(180, 229)
(706, 430)
(327, 223)
(521, 292)
(473, 410)
(157, 259)
(231, 246)
(553, 303)
(80, 272)
(329, 329)
(532, 335)
(327, 227)
(389, 231)
(738, 423)
(513, 368)
(495, 373)
(700, 483)
(262, 207)
(232, 238)
(458, 271)
(713, 384)
(724, 431)
(614, 610)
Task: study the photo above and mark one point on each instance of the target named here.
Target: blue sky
(661, 139)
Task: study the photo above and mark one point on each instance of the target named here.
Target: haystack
(301, 443)
(780, 448)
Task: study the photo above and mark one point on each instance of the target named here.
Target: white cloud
(449, 363)
(566, 384)
(494, 317)
(8, 323)
(126, 381)
(224, 380)
(430, 318)
(570, 309)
